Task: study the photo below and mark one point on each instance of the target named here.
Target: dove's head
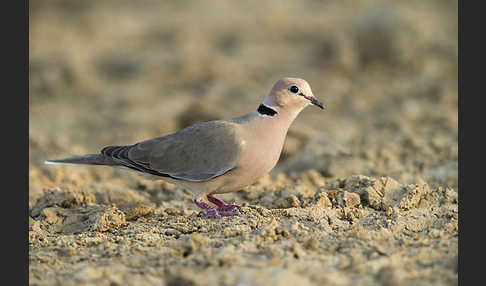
(291, 95)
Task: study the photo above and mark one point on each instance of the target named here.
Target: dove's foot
(229, 210)
(210, 211)
(224, 209)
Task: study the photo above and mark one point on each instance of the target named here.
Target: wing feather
(196, 153)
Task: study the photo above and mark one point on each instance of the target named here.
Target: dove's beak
(314, 101)
(317, 102)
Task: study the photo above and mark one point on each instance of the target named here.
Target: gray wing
(196, 153)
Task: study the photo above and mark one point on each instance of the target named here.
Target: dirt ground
(365, 192)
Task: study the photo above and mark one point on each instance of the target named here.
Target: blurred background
(118, 72)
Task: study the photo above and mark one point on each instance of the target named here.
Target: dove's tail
(89, 159)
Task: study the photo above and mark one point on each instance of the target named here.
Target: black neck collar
(265, 110)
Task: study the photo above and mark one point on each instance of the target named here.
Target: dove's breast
(261, 148)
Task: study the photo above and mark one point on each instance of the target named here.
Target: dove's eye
(294, 89)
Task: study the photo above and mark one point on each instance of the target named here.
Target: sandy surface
(365, 192)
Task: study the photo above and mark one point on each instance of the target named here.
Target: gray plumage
(88, 159)
(196, 153)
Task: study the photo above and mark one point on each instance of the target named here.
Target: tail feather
(89, 159)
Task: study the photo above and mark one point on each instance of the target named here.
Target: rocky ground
(365, 192)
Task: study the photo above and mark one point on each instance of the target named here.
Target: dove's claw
(229, 210)
(224, 209)
(210, 211)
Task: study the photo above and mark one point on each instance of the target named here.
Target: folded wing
(197, 153)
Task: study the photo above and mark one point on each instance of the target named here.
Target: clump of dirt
(75, 220)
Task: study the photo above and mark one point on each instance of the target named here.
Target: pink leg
(216, 201)
(224, 209)
(210, 211)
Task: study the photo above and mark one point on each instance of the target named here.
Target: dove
(215, 157)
